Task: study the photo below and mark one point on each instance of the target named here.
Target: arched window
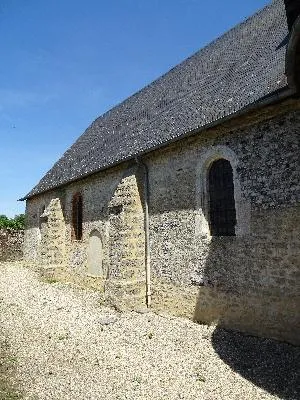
(222, 213)
(77, 216)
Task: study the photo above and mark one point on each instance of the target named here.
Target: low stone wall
(11, 245)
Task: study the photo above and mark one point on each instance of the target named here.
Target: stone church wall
(96, 192)
(113, 210)
(249, 282)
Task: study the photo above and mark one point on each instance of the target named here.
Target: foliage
(17, 223)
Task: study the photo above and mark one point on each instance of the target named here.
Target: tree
(17, 223)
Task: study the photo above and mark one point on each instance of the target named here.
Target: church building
(185, 198)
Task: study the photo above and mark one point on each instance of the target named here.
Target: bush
(17, 223)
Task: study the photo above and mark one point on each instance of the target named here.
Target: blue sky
(65, 62)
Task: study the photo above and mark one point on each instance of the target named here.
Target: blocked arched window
(95, 254)
(77, 216)
(222, 212)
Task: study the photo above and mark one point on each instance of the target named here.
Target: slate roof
(242, 66)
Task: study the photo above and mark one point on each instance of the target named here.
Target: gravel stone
(68, 346)
(108, 320)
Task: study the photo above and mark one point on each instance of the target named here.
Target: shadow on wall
(235, 294)
(269, 364)
(246, 288)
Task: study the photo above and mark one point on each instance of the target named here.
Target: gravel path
(66, 346)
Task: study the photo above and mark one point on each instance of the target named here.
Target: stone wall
(96, 192)
(249, 282)
(127, 278)
(113, 212)
(11, 244)
(52, 227)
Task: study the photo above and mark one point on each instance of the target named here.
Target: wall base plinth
(126, 295)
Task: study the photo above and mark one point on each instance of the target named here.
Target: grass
(51, 280)
(8, 390)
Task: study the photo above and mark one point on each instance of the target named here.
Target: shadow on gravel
(271, 365)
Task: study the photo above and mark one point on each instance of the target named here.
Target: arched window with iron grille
(222, 212)
(77, 216)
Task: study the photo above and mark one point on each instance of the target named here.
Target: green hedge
(17, 223)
